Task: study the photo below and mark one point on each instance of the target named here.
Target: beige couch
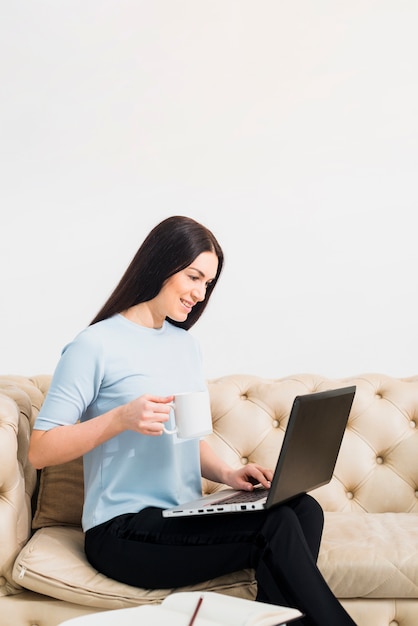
(369, 552)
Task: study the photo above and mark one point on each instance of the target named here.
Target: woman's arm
(213, 468)
(144, 415)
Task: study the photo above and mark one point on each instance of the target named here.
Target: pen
(195, 612)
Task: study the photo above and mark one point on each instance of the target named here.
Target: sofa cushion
(362, 556)
(52, 508)
(53, 563)
(370, 555)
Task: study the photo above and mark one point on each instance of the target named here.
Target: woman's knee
(300, 515)
(308, 506)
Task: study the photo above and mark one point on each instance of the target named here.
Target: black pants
(146, 550)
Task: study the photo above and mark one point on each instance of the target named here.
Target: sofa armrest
(17, 480)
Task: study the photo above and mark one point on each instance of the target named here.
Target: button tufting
(276, 424)
(379, 460)
(413, 424)
(350, 495)
(393, 623)
(244, 460)
(416, 493)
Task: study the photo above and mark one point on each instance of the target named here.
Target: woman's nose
(199, 292)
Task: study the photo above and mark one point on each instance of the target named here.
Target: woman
(109, 400)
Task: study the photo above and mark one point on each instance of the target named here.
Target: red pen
(196, 611)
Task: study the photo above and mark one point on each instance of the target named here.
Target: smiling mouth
(188, 305)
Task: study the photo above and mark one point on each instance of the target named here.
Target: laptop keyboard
(243, 496)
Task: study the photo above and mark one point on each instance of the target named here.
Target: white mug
(192, 415)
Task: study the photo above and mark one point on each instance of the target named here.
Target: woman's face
(184, 289)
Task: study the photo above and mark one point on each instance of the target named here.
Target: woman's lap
(146, 550)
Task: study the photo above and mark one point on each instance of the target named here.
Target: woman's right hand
(147, 414)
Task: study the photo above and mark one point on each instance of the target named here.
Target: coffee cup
(192, 415)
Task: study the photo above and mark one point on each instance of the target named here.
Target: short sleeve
(75, 383)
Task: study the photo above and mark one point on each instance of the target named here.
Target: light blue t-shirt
(105, 366)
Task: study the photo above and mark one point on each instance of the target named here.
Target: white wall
(288, 127)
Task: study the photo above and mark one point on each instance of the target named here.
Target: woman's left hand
(251, 474)
(244, 478)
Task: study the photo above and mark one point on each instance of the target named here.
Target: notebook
(307, 458)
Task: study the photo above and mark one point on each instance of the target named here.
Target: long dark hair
(170, 247)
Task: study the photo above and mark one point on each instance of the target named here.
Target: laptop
(307, 458)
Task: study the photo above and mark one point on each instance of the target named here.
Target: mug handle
(166, 430)
(169, 432)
